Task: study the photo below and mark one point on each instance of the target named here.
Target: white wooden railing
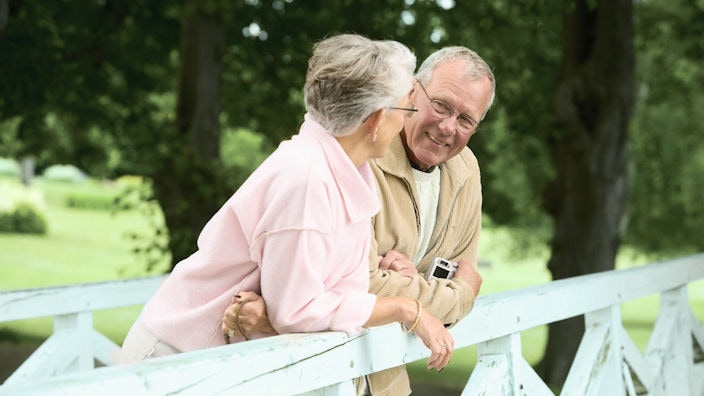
(607, 362)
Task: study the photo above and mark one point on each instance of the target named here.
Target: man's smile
(435, 141)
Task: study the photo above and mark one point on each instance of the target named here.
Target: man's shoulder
(464, 163)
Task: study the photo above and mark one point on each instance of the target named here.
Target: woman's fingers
(441, 353)
(229, 326)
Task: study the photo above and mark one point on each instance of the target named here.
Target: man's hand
(249, 311)
(398, 262)
(469, 274)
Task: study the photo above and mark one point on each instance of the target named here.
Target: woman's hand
(246, 314)
(437, 338)
(398, 262)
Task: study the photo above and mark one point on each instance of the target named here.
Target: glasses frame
(460, 116)
(411, 109)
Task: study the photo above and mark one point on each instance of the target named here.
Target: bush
(99, 200)
(64, 173)
(9, 168)
(21, 210)
(27, 220)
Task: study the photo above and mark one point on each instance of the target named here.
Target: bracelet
(231, 332)
(415, 322)
(237, 319)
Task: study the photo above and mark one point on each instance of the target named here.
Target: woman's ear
(373, 122)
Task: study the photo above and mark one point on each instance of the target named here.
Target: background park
(125, 125)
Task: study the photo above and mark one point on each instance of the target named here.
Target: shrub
(100, 200)
(21, 210)
(64, 173)
(27, 220)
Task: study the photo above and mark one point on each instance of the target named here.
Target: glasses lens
(442, 109)
(466, 124)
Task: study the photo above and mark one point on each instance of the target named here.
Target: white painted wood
(327, 363)
(628, 380)
(345, 388)
(106, 351)
(500, 314)
(640, 376)
(489, 377)
(591, 354)
(42, 362)
(50, 301)
(79, 328)
(528, 382)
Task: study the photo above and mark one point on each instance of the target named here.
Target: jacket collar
(357, 186)
(396, 162)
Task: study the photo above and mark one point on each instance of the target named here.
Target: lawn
(92, 245)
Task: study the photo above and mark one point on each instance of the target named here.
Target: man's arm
(448, 300)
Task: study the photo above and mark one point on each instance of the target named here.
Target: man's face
(430, 139)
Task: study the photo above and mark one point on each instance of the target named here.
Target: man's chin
(427, 163)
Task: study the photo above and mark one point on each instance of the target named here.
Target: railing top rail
(85, 297)
(504, 313)
(277, 364)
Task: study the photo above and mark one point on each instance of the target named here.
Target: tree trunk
(593, 105)
(189, 185)
(3, 15)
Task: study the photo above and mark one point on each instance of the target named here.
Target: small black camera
(441, 269)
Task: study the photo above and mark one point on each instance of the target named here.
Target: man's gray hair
(350, 76)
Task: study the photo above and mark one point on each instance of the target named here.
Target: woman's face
(392, 124)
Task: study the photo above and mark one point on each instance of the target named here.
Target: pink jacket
(297, 231)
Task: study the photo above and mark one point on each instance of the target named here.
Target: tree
(666, 211)
(83, 81)
(188, 184)
(593, 106)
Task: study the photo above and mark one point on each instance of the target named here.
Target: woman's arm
(409, 312)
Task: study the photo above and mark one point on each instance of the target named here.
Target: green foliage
(21, 210)
(80, 66)
(243, 149)
(666, 210)
(98, 82)
(26, 219)
(91, 200)
(65, 173)
(150, 242)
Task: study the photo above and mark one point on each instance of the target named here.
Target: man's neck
(417, 167)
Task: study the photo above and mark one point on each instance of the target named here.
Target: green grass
(92, 245)
(81, 246)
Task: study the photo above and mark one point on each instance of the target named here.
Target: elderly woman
(298, 230)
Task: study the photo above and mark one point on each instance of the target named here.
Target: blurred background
(124, 125)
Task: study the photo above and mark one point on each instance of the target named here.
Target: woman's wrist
(412, 322)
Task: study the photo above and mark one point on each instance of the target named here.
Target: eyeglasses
(443, 110)
(403, 108)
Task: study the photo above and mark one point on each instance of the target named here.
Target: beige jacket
(397, 227)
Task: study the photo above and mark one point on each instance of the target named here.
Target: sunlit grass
(81, 246)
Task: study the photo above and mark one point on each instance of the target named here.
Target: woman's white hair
(350, 76)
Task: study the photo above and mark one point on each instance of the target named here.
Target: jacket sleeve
(447, 300)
